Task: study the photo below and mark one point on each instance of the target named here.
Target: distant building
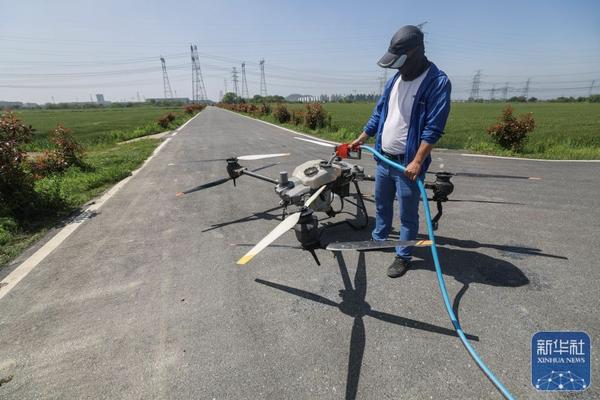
(182, 100)
(100, 98)
(11, 104)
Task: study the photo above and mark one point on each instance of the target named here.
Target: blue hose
(440, 278)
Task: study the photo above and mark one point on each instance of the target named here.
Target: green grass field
(563, 130)
(92, 126)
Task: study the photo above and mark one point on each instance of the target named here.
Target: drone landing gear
(437, 217)
(361, 210)
(312, 252)
(307, 233)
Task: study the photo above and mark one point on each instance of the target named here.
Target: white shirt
(395, 127)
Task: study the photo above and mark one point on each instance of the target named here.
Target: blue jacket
(429, 114)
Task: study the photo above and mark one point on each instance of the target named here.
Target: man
(407, 121)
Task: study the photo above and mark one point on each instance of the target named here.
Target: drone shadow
(353, 304)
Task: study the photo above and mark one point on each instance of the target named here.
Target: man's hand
(361, 139)
(412, 170)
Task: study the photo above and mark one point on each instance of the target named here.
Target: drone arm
(259, 176)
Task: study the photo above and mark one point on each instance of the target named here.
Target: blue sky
(71, 49)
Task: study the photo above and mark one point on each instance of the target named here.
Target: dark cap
(408, 37)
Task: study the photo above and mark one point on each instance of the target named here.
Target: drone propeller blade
(279, 230)
(375, 244)
(325, 144)
(204, 186)
(476, 175)
(314, 196)
(253, 157)
(249, 157)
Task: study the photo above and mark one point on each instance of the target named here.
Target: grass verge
(106, 162)
(564, 131)
(106, 166)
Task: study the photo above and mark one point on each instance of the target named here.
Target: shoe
(398, 268)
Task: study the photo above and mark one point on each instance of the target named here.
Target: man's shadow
(353, 304)
(468, 266)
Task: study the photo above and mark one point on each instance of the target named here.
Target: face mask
(399, 62)
(415, 65)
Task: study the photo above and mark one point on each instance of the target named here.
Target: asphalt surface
(145, 301)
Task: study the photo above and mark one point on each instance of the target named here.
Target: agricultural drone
(323, 185)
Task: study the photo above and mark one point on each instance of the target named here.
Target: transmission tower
(382, 81)
(475, 87)
(194, 86)
(526, 88)
(245, 93)
(263, 81)
(199, 79)
(505, 91)
(225, 84)
(493, 92)
(166, 84)
(198, 89)
(234, 79)
(592, 87)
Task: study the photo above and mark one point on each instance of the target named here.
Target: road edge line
(524, 159)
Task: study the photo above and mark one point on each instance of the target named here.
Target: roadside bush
(315, 116)
(67, 152)
(8, 228)
(16, 185)
(297, 117)
(166, 120)
(511, 133)
(264, 109)
(251, 108)
(281, 114)
(193, 108)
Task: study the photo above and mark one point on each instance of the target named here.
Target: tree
(231, 98)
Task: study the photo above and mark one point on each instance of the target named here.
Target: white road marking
(12, 279)
(315, 142)
(524, 159)
(281, 127)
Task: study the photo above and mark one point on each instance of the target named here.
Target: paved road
(145, 301)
